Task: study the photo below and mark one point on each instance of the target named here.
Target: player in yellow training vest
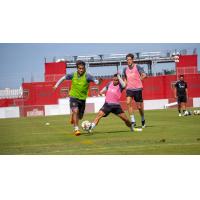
(78, 92)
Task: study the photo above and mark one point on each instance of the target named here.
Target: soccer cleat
(77, 132)
(137, 129)
(179, 115)
(143, 124)
(90, 129)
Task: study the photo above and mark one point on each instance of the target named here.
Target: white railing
(8, 93)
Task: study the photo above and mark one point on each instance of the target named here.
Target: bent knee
(128, 103)
(75, 110)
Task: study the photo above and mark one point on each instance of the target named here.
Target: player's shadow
(105, 132)
(147, 126)
(117, 131)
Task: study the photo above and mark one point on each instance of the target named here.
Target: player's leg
(103, 112)
(120, 113)
(129, 97)
(75, 115)
(183, 103)
(140, 105)
(125, 119)
(98, 117)
(179, 105)
(81, 107)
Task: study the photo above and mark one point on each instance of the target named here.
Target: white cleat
(179, 115)
(137, 129)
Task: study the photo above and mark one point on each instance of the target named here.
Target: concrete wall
(155, 104)
(196, 102)
(9, 112)
(93, 104)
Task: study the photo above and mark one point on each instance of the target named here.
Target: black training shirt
(180, 87)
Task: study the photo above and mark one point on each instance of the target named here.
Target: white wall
(155, 104)
(98, 102)
(196, 102)
(63, 107)
(9, 112)
(56, 110)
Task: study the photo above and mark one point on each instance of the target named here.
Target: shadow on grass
(114, 131)
(105, 132)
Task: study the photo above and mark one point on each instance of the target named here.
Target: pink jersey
(133, 78)
(113, 93)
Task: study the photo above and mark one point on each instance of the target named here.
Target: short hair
(115, 75)
(181, 76)
(80, 62)
(130, 55)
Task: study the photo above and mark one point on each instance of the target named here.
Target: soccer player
(78, 92)
(134, 75)
(181, 94)
(113, 92)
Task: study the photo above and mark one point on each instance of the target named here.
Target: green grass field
(166, 133)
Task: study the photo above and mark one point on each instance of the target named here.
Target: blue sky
(27, 59)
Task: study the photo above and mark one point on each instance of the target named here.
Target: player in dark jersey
(181, 94)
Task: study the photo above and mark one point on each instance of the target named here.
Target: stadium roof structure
(117, 60)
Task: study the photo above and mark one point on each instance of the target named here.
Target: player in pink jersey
(134, 75)
(112, 102)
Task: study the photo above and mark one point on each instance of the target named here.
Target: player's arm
(175, 91)
(104, 90)
(91, 78)
(66, 77)
(186, 90)
(143, 75)
(124, 75)
(122, 83)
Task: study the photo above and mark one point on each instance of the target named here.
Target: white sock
(76, 128)
(132, 118)
(93, 125)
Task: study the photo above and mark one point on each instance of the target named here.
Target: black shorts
(182, 99)
(137, 95)
(111, 108)
(78, 103)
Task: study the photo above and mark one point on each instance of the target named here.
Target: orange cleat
(77, 133)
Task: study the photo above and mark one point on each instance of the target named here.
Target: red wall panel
(187, 61)
(53, 71)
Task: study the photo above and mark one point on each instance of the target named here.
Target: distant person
(113, 92)
(181, 94)
(78, 92)
(134, 75)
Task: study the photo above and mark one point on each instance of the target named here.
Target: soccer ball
(85, 125)
(196, 112)
(186, 113)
